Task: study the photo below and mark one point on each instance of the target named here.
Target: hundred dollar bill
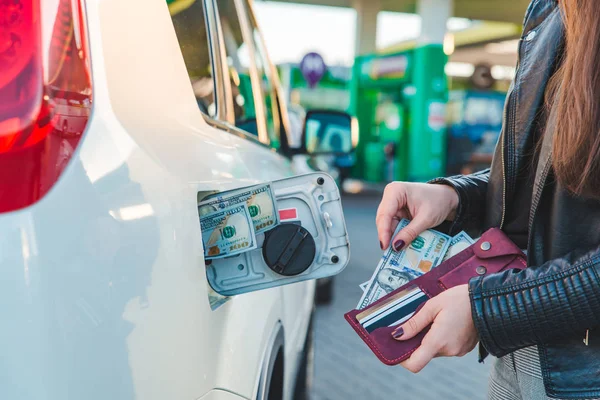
(397, 268)
(458, 243)
(227, 232)
(215, 299)
(363, 286)
(260, 201)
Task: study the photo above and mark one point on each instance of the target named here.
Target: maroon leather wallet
(493, 252)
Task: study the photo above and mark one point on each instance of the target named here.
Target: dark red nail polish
(381, 245)
(399, 245)
(398, 333)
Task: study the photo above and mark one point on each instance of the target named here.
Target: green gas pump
(400, 102)
(386, 155)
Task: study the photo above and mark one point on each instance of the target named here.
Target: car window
(267, 86)
(190, 26)
(238, 64)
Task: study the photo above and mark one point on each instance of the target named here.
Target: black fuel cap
(289, 249)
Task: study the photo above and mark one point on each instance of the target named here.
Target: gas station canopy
(489, 10)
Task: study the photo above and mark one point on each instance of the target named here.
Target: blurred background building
(426, 79)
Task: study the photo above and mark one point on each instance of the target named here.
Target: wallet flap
(476, 266)
(494, 243)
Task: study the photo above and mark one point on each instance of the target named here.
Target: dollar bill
(397, 268)
(227, 232)
(215, 299)
(260, 201)
(458, 243)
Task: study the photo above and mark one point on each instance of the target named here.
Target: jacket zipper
(507, 135)
(538, 194)
(511, 112)
(503, 187)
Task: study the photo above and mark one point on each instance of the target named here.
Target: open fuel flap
(307, 239)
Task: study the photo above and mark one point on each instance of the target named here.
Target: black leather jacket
(555, 302)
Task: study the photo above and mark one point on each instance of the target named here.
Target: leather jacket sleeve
(471, 191)
(516, 309)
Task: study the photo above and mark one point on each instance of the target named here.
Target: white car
(115, 118)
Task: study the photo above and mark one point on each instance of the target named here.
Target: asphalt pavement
(345, 368)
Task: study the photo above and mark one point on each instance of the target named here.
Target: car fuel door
(307, 238)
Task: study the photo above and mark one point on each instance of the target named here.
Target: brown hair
(576, 142)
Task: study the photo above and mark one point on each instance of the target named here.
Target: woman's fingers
(392, 203)
(421, 320)
(410, 232)
(426, 205)
(420, 358)
(430, 346)
(452, 331)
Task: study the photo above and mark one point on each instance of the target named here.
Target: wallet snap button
(485, 246)
(481, 270)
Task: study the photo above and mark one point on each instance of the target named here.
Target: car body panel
(102, 282)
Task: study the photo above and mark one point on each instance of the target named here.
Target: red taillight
(45, 95)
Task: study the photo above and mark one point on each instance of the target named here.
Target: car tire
(304, 378)
(324, 291)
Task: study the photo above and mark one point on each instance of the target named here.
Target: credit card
(390, 302)
(397, 314)
(406, 300)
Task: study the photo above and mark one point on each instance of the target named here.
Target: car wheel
(324, 292)
(304, 379)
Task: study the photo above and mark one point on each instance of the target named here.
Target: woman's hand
(452, 332)
(424, 204)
